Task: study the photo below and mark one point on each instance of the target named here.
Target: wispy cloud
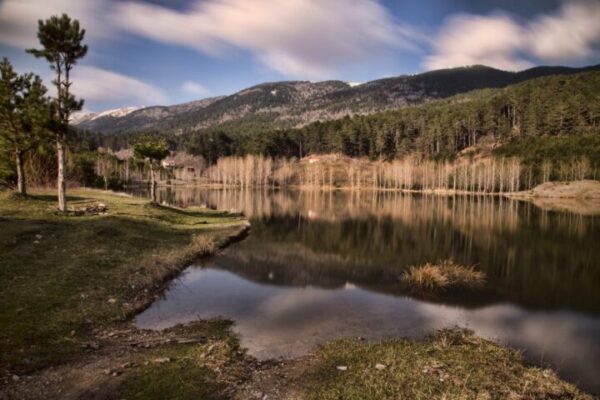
(570, 34)
(304, 38)
(104, 86)
(18, 18)
(194, 89)
(470, 39)
(573, 32)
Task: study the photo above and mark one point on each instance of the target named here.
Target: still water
(323, 265)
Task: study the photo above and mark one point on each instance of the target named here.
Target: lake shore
(72, 285)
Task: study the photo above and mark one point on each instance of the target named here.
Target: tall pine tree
(61, 39)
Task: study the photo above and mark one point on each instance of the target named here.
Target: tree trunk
(21, 188)
(60, 179)
(152, 184)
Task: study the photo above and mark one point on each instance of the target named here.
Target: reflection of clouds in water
(275, 321)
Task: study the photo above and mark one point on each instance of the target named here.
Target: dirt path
(102, 365)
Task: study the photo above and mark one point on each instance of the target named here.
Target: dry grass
(442, 275)
(203, 245)
(156, 268)
(453, 364)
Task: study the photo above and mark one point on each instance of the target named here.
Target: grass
(453, 364)
(180, 371)
(444, 274)
(64, 276)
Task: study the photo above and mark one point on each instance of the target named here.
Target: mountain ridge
(287, 104)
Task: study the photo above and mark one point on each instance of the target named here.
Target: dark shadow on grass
(191, 212)
(53, 199)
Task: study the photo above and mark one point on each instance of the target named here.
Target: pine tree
(61, 39)
(153, 151)
(25, 115)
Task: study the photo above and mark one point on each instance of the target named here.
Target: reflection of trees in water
(326, 238)
(468, 212)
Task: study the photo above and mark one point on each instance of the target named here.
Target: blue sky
(166, 52)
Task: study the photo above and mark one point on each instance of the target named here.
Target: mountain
(81, 117)
(297, 103)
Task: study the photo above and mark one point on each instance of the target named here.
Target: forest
(490, 140)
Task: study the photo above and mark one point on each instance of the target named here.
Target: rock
(16, 378)
(38, 236)
(380, 366)
(342, 368)
(112, 300)
(161, 360)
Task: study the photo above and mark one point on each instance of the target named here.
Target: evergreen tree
(153, 151)
(61, 39)
(25, 115)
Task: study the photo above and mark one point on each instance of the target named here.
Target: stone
(161, 360)
(380, 366)
(342, 368)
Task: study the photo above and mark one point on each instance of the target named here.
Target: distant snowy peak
(80, 117)
(117, 112)
(353, 84)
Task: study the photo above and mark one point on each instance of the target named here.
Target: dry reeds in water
(442, 275)
(203, 245)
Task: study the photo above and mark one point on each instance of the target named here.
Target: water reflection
(320, 265)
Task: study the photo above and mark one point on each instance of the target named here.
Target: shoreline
(120, 360)
(547, 190)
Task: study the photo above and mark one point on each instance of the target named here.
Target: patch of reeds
(444, 274)
(202, 245)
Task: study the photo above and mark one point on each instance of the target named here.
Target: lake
(320, 265)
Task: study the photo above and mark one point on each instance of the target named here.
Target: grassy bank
(454, 364)
(63, 277)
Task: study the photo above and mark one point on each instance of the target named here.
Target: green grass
(63, 276)
(191, 370)
(452, 365)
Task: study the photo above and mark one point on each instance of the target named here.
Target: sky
(149, 52)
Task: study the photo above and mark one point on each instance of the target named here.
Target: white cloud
(100, 85)
(470, 39)
(194, 89)
(305, 38)
(19, 18)
(570, 34)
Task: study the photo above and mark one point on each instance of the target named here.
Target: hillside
(297, 103)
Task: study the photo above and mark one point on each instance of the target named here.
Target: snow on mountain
(83, 116)
(117, 112)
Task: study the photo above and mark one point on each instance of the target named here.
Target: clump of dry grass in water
(203, 245)
(442, 275)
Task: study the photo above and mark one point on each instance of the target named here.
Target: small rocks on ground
(380, 366)
(161, 360)
(342, 368)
